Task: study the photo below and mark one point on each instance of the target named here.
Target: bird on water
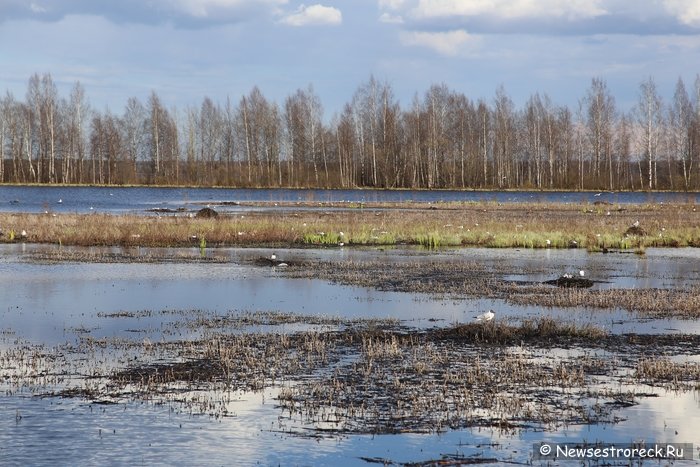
(486, 317)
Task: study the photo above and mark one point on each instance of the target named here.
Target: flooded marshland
(345, 356)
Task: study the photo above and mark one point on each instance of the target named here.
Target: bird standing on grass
(485, 317)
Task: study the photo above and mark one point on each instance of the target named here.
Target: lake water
(141, 199)
(42, 300)
(48, 303)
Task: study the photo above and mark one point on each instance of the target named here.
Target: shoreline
(354, 188)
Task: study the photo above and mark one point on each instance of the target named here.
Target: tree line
(443, 139)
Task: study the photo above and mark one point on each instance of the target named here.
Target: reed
(467, 224)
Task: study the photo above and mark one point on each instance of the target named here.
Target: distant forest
(442, 139)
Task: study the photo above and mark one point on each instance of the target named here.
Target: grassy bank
(595, 227)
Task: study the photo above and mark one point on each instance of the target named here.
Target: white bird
(567, 276)
(582, 273)
(486, 317)
(636, 223)
(23, 234)
(60, 201)
(273, 256)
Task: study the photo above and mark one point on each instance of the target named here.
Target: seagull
(486, 317)
(273, 256)
(567, 276)
(582, 273)
(60, 201)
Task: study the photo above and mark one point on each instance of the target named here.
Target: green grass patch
(322, 238)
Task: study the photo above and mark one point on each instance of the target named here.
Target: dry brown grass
(663, 371)
(363, 376)
(469, 278)
(678, 303)
(470, 224)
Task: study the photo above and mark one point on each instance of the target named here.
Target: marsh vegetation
(474, 279)
(329, 376)
(340, 376)
(598, 228)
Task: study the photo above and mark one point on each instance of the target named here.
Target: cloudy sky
(188, 49)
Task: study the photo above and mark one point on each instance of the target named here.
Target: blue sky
(188, 49)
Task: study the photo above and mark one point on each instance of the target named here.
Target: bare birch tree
(680, 131)
(649, 120)
(601, 113)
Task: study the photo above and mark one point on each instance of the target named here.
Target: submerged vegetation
(473, 279)
(338, 376)
(330, 376)
(485, 224)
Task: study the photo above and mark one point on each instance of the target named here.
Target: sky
(185, 50)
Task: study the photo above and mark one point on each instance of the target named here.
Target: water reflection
(40, 301)
(46, 303)
(52, 431)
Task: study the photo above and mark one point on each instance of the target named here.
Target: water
(44, 302)
(50, 303)
(70, 432)
(141, 199)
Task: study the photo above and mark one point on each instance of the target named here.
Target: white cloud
(181, 12)
(391, 4)
(203, 8)
(510, 9)
(389, 18)
(449, 43)
(547, 17)
(686, 11)
(314, 15)
(36, 8)
(206, 8)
